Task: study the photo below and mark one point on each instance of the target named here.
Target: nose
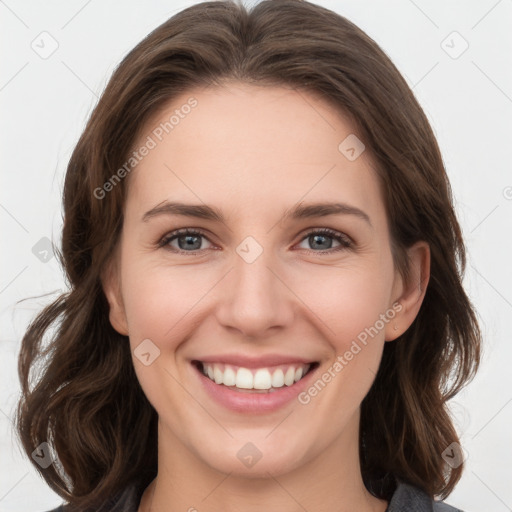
(255, 298)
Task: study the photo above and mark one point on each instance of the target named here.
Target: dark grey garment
(406, 498)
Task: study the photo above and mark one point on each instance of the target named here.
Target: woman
(265, 306)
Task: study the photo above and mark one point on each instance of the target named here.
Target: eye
(319, 238)
(189, 240)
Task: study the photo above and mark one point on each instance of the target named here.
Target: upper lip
(254, 362)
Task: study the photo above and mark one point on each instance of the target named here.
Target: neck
(330, 481)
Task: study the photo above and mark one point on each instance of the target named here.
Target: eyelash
(344, 240)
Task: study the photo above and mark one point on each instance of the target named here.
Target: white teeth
(217, 375)
(289, 376)
(262, 378)
(244, 379)
(229, 377)
(278, 379)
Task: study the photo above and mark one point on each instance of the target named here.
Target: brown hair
(87, 392)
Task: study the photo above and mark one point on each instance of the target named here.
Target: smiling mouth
(255, 380)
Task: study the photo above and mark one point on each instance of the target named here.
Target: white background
(45, 104)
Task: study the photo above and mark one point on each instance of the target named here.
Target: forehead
(247, 148)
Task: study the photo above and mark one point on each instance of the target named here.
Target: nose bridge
(254, 298)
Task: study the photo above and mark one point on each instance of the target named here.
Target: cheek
(158, 299)
(160, 305)
(348, 301)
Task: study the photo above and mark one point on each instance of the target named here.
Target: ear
(409, 292)
(112, 288)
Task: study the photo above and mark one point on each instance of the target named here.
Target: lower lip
(253, 402)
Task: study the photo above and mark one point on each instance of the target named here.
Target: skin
(254, 152)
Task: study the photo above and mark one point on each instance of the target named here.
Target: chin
(253, 459)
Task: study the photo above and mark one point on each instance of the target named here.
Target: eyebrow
(301, 211)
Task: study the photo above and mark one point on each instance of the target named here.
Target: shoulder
(440, 506)
(408, 498)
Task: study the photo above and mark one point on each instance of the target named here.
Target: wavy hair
(86, 392)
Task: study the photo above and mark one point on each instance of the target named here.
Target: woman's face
(258, 287)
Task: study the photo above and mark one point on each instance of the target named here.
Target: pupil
(317, 237)
(189, 242)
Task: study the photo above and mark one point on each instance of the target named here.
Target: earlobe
(112, 289)
(413, 290)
